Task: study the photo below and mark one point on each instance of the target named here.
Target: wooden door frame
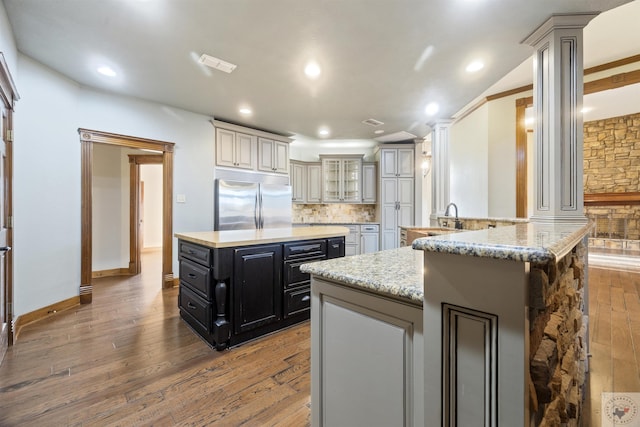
(8, 96)
(135, 245)
(521, 157)
(87, 139)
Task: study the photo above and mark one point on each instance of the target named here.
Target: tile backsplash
(333, 213)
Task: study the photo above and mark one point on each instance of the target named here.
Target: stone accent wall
(558, 350)
(333, 213)
(612, 165)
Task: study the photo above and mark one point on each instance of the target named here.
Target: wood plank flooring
(128, 360)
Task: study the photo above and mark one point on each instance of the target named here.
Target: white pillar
(557, 98)
(439, 169)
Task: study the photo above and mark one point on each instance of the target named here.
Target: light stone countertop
(527, 242)
(396, 273)
(232, 238)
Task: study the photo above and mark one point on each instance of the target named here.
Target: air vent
(372, 122)
(217, 63)
(396, 137)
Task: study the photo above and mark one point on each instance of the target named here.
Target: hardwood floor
(127, 359)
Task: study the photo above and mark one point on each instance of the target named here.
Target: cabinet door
(369, 183)
(257, 287)
(405, 162)
(225, 147)
(298, 182)
(280, 157)
(244, 149)
(314, 183)
(368, 243)
(265, 154)
(351, 180)
(388, 162)
(331, 174)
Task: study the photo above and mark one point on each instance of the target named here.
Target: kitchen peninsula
(470, 328)
(237, 285)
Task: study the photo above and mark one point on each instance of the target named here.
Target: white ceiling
(369, 51)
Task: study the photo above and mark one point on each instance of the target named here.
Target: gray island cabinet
(476, 328)
(241, 284)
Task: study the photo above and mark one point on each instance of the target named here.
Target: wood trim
(510, 92)
(612, 82)
(86, 218)
(610, 199)
(521, 157)
(167, 221)
(145, 159)
(44, 312)
(8, 91)
(612, 64)
(111, 273)
(88, 138)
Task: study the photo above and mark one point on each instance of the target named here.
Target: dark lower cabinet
(231, 295)
(257, 287)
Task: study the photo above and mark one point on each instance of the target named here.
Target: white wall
(151, 175)
(308, 150)
(47, 174)
(7, 42)
(468, 160)
(502, 157)
(108, 220)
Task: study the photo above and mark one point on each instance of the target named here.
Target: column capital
(559, 22)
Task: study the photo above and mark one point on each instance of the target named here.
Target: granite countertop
(470, 218)
(232, 238)
(338, 223)
(527, 242)
(396, 273)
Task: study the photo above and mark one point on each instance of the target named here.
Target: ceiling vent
(217, 63)
(396, 137)
(372, 122)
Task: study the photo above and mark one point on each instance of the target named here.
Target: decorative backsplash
(333, 213)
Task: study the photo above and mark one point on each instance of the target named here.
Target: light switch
(181, 198)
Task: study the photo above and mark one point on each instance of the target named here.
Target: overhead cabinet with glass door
(342, 178)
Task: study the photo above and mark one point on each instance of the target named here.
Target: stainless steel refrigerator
(250, 205)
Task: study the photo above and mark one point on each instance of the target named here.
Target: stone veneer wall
(333, 213)
(612, 165)
(558, 350)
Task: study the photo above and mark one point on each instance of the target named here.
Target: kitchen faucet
(458, 224)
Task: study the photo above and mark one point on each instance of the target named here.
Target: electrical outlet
(181, 198)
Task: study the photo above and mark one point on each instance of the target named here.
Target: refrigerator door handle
(256, 214)
(261, 212)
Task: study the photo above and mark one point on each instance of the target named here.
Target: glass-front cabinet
(342, 179)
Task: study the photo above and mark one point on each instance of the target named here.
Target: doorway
(90, 137)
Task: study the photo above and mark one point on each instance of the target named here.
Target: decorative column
(440, 169)
(557, 98)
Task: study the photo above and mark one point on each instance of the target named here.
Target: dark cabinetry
(231, 295)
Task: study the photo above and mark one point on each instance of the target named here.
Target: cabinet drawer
(335, 247)
(297, 301)
(292, 273)
(199, 254)
(195, 307)
(197, 276)
(310, 248)
(371, 228)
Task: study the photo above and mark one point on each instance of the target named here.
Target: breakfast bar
(481, 327)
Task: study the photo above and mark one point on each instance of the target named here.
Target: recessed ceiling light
(431, 109)
(378, 132)
(106, 71)
(312, 70)
(323, 132)
(246, 111)
(475, 66)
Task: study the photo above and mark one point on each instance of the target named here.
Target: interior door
(5, 295)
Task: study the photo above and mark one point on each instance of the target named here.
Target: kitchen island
(499, 321)
(237, 285)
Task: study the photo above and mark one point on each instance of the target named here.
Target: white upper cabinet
(314, 183)
(369, 183)
(273, 156)
(341, 179)
(397, 162)
(235, 149)
(298, 182)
